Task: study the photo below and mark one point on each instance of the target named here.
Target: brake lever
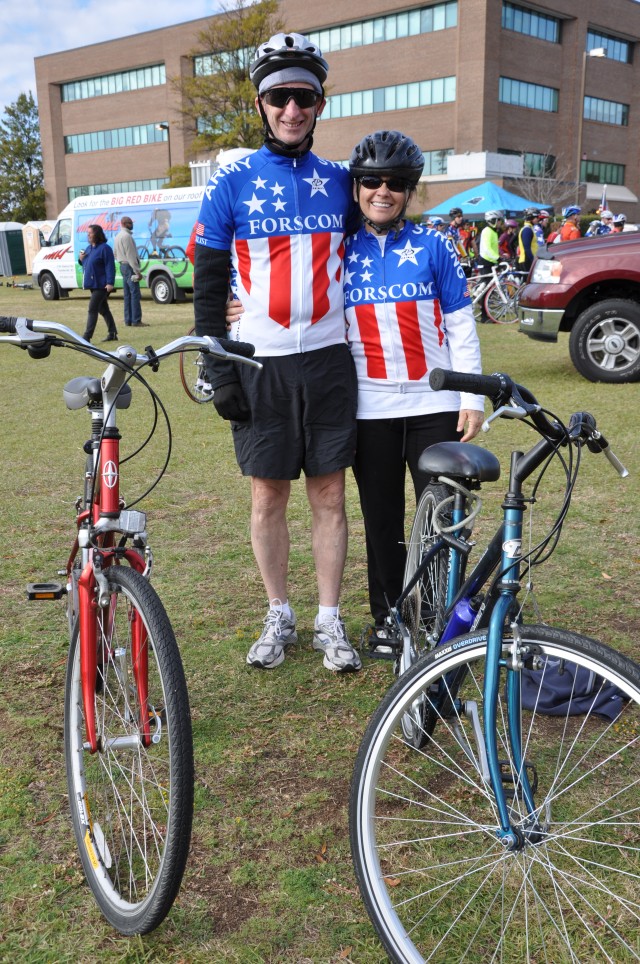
(504, 411)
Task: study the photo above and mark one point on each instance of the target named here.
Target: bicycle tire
(178, 258)
(424, 608)
(143, 256)
(437, 883)
(193, 376)
(131, 806)
(502, 312)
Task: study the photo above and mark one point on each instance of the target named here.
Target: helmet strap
(394, 226)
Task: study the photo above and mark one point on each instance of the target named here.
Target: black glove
(230, 402)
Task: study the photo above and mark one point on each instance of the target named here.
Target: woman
(99, 275)
(407, 312)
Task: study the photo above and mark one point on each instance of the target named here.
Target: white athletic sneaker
(278, 633)
(330, 637)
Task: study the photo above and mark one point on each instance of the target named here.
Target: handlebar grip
(242, 348)
(8, 325)
(494, 386)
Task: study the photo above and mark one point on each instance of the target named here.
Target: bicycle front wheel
(193, 376)
(501, 303)
(131, 804)
(437, 883)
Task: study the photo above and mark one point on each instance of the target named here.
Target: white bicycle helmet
(492, 217)
(284, 51)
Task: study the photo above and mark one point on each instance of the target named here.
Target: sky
(37, 27)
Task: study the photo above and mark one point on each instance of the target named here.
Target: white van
(163, 221)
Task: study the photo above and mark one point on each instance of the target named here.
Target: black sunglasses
(280, 96)
(396, 184)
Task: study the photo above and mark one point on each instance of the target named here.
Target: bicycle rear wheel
(193, 376)
(501, 303)
(131, 805)
(437, 883)
(424, 608)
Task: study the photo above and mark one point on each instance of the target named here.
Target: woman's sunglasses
(395, 184)
(280, 97)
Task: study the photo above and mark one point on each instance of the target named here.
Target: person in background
(125, 252)
(606, 222)
(541, 225)
(527, 240)
(619, 222)
(569, 230)
(593, 229)
(508, 241)
(438, 224)
(469, 239)
(554, 230)
(98, 276)
(408, 311)
(298, 413)
(488, 251)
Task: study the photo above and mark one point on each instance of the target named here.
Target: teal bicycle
(495, 803)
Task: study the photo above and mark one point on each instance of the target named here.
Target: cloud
(48, 26)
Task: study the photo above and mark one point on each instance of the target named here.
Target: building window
(534, 165)
(616, 49)
(529, 22)
(421, 93)
(521, 94)
(410, 23)
(114, 83)
(206, 64)
(606, 111)
(600, 172)
(119, 137)
(119, 187)
(435, 162)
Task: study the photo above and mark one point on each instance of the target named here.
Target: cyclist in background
(407, 312)
(508, 241)
(540, 226)
(488, 251)
(527, 240)
(298, 415)
(619, 222)
(438, 224)
(569, 230)
(455, 233)
(606, 222)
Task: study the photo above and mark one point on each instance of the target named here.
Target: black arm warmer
(210, 295)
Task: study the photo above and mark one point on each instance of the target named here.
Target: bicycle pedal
(373, 647)
(45, 590)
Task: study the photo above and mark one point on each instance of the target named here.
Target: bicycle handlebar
(516, 401)
(38, 336)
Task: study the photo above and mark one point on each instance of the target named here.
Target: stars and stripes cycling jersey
(408, 311)
(284, 221)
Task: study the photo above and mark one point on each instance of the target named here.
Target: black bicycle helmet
(287, 50)
(531, 213)
(390, 153)
(455, 213)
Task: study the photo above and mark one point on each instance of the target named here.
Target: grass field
(269, 876)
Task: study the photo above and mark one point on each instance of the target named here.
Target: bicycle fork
(512, 838)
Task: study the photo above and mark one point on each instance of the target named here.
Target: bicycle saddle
(83, 390)
(461, 460)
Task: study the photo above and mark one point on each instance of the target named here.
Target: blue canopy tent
(476, 201)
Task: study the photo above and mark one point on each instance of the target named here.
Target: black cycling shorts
(303, 415)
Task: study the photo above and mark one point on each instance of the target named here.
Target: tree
(21, 175)
(554, 182)
(218, 98)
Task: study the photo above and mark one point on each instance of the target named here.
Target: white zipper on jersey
(296, 245)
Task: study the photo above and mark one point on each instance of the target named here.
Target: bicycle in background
(127, 723)
(499, 290)
(494, 804)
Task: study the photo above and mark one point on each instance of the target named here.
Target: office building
(490, 89)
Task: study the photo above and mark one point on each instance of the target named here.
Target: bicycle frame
(502, 554)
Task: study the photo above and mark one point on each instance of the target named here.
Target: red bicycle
(127, 723)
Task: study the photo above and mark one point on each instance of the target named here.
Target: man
(124, 249)
(488, 251)
(527, 240)
(454, 231)
(569, 230)
(279, 217)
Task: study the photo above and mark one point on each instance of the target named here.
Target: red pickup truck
(590, 288)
